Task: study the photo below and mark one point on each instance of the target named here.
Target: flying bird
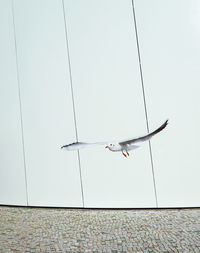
(123, 146)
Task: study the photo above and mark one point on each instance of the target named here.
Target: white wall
(169, 35)
(12, 171)
(52, 176)
(108, 102)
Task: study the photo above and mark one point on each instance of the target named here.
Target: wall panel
(169, 35)
(52, 175)
(109, 102)
(12, 172)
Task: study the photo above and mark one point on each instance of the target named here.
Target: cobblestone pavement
(71, 230)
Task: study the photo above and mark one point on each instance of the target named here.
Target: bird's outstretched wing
(145, 137)
(79, 145)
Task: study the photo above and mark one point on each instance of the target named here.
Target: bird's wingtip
(166, 122)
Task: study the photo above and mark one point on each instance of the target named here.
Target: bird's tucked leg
(127, 152)
(124, 154)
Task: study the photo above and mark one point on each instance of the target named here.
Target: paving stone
(74, 230)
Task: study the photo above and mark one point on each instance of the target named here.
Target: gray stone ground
(70, 230)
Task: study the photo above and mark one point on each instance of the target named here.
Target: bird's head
(112, 146)
(108, 146)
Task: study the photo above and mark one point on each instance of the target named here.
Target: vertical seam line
(73, 102)
(20, 104)
(144, 99)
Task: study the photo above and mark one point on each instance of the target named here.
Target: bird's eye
(110, 144)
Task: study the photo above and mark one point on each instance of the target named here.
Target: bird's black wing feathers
(71, 144)
(145, 137)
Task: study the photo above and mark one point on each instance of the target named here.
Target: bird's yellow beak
(106, 146)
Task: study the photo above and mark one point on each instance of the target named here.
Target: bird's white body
(117, 146)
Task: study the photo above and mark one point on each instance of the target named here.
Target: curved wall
(95, 71)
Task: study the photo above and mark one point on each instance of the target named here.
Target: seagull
(123, 146)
